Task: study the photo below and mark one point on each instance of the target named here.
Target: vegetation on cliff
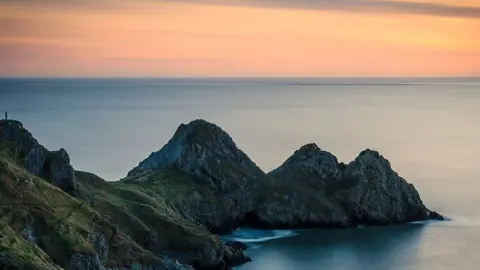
(164, 213)
(112, 225)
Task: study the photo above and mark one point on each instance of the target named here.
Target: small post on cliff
(6, 115)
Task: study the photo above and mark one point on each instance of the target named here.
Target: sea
(428, 128)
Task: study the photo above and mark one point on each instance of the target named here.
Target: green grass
(24, 254)
(143, 207)
(62, 224)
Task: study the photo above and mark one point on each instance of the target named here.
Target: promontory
(169, 211)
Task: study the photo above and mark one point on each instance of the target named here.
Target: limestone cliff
(44, 224)
(209, 181)
(36, 159)
(219, 181)
(164, 213)
(319, 191)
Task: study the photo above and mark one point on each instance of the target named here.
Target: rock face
(380, 195)
(52, 165)
(319, 191)
(61, 173)
(295, 198)
(123, 227)
(210, 157)
(307, 161)
(80, 261)
(234, 253)
(310, 189)
(164, 213)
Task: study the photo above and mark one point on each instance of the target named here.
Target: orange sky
(240, 38)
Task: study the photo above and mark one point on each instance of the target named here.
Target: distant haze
(239, 38)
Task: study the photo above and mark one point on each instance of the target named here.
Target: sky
(239, 38)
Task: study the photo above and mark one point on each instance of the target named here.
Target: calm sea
(429, 129)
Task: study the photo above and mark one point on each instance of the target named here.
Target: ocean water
(429, 129)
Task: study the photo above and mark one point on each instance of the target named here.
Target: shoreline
(199, 184)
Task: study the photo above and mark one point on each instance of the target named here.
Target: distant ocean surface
(429, 129)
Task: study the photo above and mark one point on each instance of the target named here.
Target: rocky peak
(194, 145)
(13, 133)
(308, 149)
(366, 191)
(371, 166)
(14, 123)
(310, 159)
(369, 155)
(387, 196)
(202, 132)
(210, 158)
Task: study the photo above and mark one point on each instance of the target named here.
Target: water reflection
(394, 247)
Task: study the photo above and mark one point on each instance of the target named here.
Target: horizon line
(236, 77)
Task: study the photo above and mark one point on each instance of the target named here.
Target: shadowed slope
(117, 226)
(162, 214)
(219, 180)
(221, 188)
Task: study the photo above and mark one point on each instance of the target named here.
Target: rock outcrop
(36, 159)
(318, 191)
(380, 195)
(225, 177)
(226, 189)
(309, 161)
(295, 197)
(164, 213)
(311, 188)
(118, 226)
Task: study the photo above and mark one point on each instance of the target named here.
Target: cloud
(409, 7)
(390, 6)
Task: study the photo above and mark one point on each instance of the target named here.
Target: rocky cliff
(23, 148)
(164, 213)
(223, 188)
(320, 191)
(44, 224)
(219, 181)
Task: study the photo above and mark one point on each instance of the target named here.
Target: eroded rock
(309, 160)
(24, 149)
(319, 191)
(211, 159)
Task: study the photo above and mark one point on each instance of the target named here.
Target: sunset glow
(228, 38)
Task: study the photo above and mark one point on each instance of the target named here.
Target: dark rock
(36, 159)
(380, 195)
(8, 264)
(310, 189)
(61, 173)
(162, 214)
(309, 160)
(236, 245)
(435, 216)
(211, 159)
(234, 255)
(291, 207)
(320, 192)
(168, 264)
(295, 198)
(13, 131)
(80, 261)
(101, 246)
